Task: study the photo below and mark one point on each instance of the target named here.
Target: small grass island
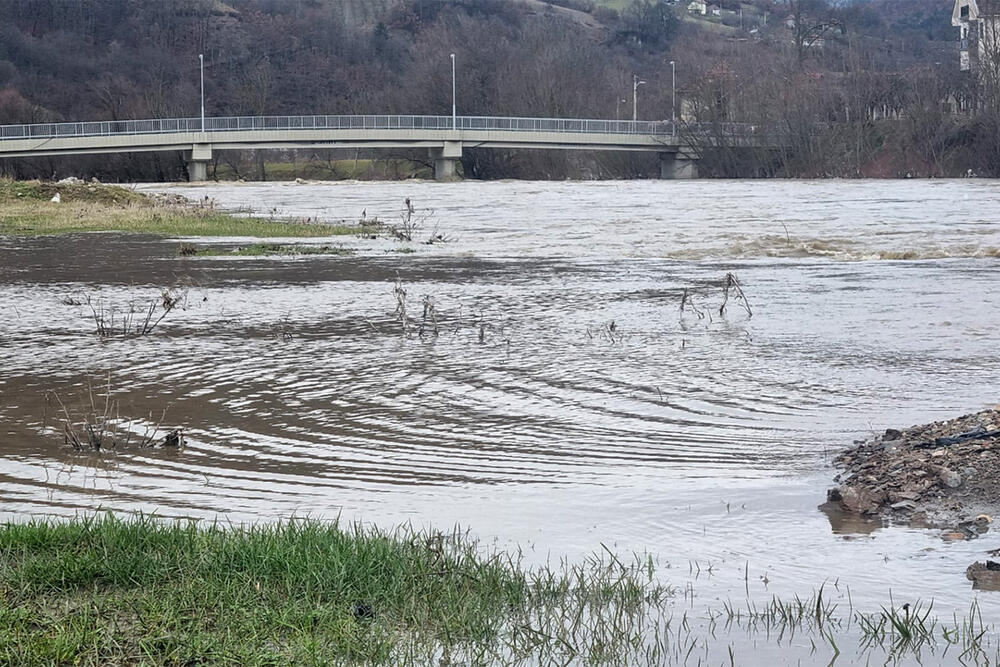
(72, 206)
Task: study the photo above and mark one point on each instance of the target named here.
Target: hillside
(739, 62)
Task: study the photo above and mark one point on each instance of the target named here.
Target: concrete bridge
(678, 146)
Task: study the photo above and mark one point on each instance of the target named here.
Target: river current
(566, 399)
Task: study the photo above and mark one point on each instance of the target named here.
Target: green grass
(262, 250)
(94, 193)
(26, 209)
(110, 591)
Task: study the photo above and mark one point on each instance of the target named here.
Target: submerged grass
(26, 209)
(263, 250)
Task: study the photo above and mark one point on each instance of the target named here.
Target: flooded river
(566, 399)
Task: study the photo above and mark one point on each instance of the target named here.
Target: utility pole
(636, 82)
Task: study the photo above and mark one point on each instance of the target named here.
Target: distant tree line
(868, 88)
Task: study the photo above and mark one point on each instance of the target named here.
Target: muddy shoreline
(944, 474)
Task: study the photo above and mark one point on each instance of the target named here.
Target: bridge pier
(197, 162)
(678, 166)
(446, 160)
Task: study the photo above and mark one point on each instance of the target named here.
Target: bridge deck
(444, 136)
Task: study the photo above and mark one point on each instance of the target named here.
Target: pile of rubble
(941, 473)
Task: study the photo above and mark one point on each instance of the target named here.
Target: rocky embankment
(944, 474)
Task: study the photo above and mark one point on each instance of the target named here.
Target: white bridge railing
(235, 123)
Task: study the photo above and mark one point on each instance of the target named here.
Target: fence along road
(443, 136)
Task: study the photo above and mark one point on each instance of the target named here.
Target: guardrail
(366, 122)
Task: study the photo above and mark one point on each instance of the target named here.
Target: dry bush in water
(608, 331)
(411, 222)
(731, 288)
(282, 329)
(135, 320)
(432, 320)
(732, 284)
(402, 317)
(99, 425)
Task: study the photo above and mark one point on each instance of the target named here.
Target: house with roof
(978, 22)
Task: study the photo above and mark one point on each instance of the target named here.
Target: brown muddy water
(529, 418)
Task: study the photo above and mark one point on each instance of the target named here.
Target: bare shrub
(135, 320)
(428, 322)
(410, 222)
(401, 315)
(732, 284)
(99, 425)
(609, 331)
(282, 330)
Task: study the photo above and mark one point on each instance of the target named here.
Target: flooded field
(565, 400)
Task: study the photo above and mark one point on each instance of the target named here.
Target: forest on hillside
(871, 88)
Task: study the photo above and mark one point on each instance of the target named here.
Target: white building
(978, 22)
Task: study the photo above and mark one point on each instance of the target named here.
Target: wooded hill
(878, 71)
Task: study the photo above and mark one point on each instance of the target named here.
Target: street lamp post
(636, 82)
(673, 92)
(454, 114)
(201, 62)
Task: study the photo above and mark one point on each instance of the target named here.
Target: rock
(833, 495)
(984, 520)
(908, 505)
(861, 501)
(950, 478)
(953, 536)
(56, 199)
(70, 180)
(892, 434)
(985, 576)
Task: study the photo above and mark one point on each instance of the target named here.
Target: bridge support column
(446, 160)
(678, 166)
(197, 162)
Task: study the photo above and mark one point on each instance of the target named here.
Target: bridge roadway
(443, 136)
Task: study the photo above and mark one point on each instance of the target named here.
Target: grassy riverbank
(26, 208)
(109, 591)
